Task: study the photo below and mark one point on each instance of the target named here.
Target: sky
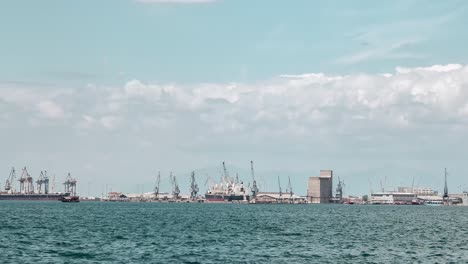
(114, 91)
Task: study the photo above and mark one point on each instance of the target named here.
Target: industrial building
(278, 198)
(393, 198)
(319, 188)
(424, 191)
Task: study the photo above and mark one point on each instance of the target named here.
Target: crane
(46, 183)
(445, 197)
(175, 186)
(254, 188)
(39, 182)
(225, 171)
(156, 187)
(279, 186)
(9, 185)
(290, 187)
(193, 187)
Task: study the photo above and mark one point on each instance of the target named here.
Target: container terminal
(232, 190)
(39, 192)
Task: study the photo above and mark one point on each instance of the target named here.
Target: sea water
(100, 232)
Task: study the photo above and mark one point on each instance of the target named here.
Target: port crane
(175, 186)
(156, 187)
(45, 181)
(26, 182)
(289, 189)
(39, 182)
(70, 185)
(445, 197)
(280, 191)
(254, 188)
(193, 187)
(9, 185)
(227, 179)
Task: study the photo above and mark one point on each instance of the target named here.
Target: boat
(227, 190)
(33, 196)
(70, 199)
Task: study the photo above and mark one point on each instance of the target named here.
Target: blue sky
(109, 89)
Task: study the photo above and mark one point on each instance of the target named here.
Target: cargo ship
(40, 192)
(36, 197)
(227, 190)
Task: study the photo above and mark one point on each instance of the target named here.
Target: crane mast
(9, 185)
(254, 188)
(156, 187)
(46, 183)
(193, 187)
(279, 186)
(175, 187)
(445, 197)
(39, 182)
(290, 187)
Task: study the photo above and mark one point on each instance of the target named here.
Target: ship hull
(221, 198)
(33, 197)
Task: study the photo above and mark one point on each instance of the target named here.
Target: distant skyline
(114, 91)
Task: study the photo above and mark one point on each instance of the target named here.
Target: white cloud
(109, 122)
(290, 105)
(175, 1)
(50, 109)
(409, 97)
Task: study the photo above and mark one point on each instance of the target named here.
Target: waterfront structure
(278, 198)
(423, 191)
(27, 190)
(393, 198)
(319, 188)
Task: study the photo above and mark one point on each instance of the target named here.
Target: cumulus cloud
(407, 97)
(287, 105)
(175, 1)
(50, 109)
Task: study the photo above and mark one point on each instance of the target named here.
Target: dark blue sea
(98, 232)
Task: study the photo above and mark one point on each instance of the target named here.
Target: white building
(393, 198)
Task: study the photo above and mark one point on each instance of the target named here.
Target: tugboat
(70, 199)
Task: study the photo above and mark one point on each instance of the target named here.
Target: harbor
(228, 189)
(39, 190)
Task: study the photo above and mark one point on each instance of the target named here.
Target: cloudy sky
(115, 90)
